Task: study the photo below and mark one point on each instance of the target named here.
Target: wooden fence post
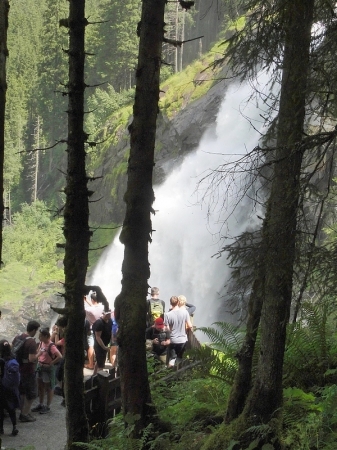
(103, 391)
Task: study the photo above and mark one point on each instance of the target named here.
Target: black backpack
(17, 348)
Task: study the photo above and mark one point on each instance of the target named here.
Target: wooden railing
(102, 392)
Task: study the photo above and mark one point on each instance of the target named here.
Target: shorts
(47, 375)
(28, 386)
(90, 339)
(100, 355)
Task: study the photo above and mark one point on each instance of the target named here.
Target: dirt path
(47, 433)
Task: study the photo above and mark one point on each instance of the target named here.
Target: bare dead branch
(62, 141)
(176, 43)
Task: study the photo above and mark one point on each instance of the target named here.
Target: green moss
(221, 438)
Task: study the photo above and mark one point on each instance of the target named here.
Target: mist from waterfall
(187, 232)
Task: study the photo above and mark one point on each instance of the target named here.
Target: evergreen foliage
(31, 240)
(37, 75)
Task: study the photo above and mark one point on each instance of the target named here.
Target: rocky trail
(47, 433)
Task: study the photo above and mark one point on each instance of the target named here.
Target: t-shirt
(29, 348)
(176, 320)
(46, 348)
(105, 328)
(93, 313)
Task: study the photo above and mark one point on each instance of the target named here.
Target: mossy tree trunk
(130, 304)
(243, 377)
(279, 232)
(76, 229)
(4, 8)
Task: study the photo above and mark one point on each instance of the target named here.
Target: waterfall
(187, 232)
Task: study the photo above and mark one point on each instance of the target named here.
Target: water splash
(187, 234)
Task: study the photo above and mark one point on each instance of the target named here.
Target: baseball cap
(159, 322)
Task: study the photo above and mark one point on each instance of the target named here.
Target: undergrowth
(193, 406)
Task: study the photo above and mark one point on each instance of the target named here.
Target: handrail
(102, 392)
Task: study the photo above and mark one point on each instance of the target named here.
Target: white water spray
(185, 238)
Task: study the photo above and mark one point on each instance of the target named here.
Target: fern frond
(226, 337)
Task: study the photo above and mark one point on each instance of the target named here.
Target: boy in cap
(159, 335)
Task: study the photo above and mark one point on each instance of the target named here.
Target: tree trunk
(130, 304)
(265, 399)
(76, 229)
(4, 8)
(243, 378)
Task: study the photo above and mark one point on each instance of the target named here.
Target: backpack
(114, 328)
(17, 348)
(156, 309)
(11, 377)
(49, 351)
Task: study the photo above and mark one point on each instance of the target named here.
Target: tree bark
(265, 399)
(243, 377)
(4, 9)
(130, 304)
(76, 230)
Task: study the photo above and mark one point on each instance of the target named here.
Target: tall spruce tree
(4, 8)
(288, 45)
(76, 229)
(130, 304)
(50, 103)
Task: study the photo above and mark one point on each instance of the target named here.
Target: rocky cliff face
(35, 307)
(175, 139)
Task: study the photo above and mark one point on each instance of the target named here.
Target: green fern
(218, 357)
(311, 347)
(225, 337)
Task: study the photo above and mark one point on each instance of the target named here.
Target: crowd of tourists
(166, 335)
(31, 369)
(28, 370)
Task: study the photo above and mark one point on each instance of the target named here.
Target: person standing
(178, 320)
(102, 330)
(114, 343)
(48, 356)
(93, 311)
(27, 358)
(188, 306)
(9, 385)
(58, 337)
(155, 307)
